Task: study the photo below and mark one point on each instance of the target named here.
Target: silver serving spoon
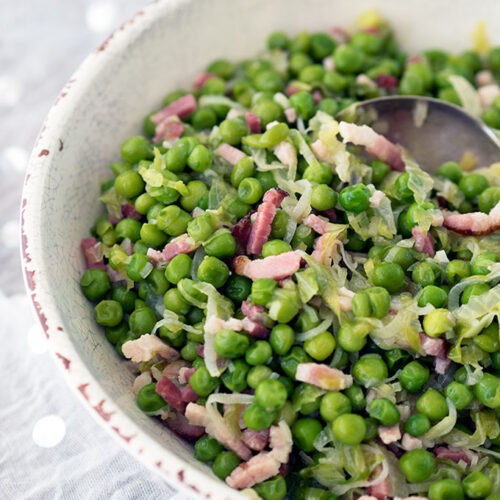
(432, 131)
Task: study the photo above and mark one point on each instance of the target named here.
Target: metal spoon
(432, 131)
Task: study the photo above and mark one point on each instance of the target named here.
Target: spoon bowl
(433, 131)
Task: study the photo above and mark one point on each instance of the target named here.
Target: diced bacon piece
(316, 223)
(319, 150)
(404, 410)
(317, 95)
(376, 198)
(484, 77)
(233, 113)
(366, 497)
(266, 211)
(114, 275)
(184, 373)
(242, 229)
(329, 63)
(182, 107)
(432, 346)
(441, 365)
(381, 490)
(455, 454)
(200, 79)
(390, 434)
(127, 246)
(275, 267)
(411, 443)
(256, 440)
(171, 128)
(323, 376)
(253, 311)
(259, 468)
(339, 34)
(182, 244)
(213, 324)
(375, 144)
(155, 256)
(188, 395)
(171, 394)
(281, 442)
(92, 250)
(253, 122)
(129, 212)
(181, 426)
(286, 153)
(140, 381)
(229, 153)
(365, 80)
(424, 242)
(172, 370)
(290, 115)
(414, 59)
(198, 415)
(487, 94)
(284, 469)
(146, 347)
(330, 214)
(387, 82)
(255, 329)
(475, 224)
(345, 298)
(290, 90)
(112, 219)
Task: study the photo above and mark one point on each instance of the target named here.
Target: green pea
(459, 394)
(437, 322)
(411, 84)
(268, 81)
(323, 197)
(143, 203)
(384, 411)
(108, 313)
(488, 199)
(284, 305)
(196, 191)
(258, 418)
(244, 169)
(488, 340)
(238, 288)
(273, 489)
(355, 198)
(257, 374)
(119, 167)
(367, 42)
(414, 210)
(389, 276)
(495, 361)
(482, 262)
(275, 247)
(229, 344)
(115, 333)
(152, 236)
(473, 185)
(303, 103)
(304, 432)
(136, 265)
(142, 320)
(95, 284)
(214, 86)
(125, 297)
(135, 149)
(189, 351)
(450, 95)
(433, 295)
(235, 376)
(417, 465)
(321, 346)
(413, 376)
(312, 74)
(348, 59)
(174, 301)
(262, 290)
(195, 315)
(491, 116)
(207, 448)
(487, 391)
(250, 190)
(175, 339)
(267, 111)
(473, 290)
(349, 428)
(259, 353)
(417, 424)
(450, 170)
(426, 273)
(157, 282)
(270, 395)
(129, 184)
(279, 225)
(178, 268)
(477, 485)
(446, 489)
(433, 405)
(238, 208)
(203, 118)
(329, 106)
(213, 271)
(148, 400)
(222, 68)
(221, 244)
(320, 173)
(304, 236)
(356, 397)
(403, 227)
(370, 370)
(173, 220)
(277, 40)
(128, 228)
(200, 228)
(282, 338)
(402, 192)
(298, 61)
(233, 130)
(335, 82)
(321, 45)
(354, 242)
(225, 463)
(293, 358)
(202, 382)
(306, 398)
(379, 170)
(371, 302)
(334, 404)
(351, 338)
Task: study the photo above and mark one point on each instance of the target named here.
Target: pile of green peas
(183, 205)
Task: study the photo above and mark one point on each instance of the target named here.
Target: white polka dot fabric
(50, 446)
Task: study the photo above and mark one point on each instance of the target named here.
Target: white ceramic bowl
(161, 49)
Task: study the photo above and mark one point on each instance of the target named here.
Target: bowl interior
(162, 49)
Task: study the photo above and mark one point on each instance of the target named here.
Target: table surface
(50, 447)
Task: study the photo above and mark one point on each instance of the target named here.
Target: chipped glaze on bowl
(160, 49)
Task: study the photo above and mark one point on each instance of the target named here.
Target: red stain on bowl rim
(105, 415)
(43, 152)
(30, 279)
(83, 389)
(125, 438)
(105, 44)
(65, 361)
(41, 315)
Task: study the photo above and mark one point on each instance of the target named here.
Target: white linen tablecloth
(50, 446)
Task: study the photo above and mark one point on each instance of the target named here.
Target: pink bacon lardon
(323, 376)
(375, 144)
(424, 242)
(181, 426)
(253, 122)
(275, 267)
(475, 224)
(182, 107)
(202, 78)
(229, 153)
(129, 212)
(437, 348)
(454, 454)
(261, 228)
(170, 393)
(182, 244)
(146, 347)
(256, 440)
(316, 223)
(170, 128)
(242, 229)
(92, 250)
